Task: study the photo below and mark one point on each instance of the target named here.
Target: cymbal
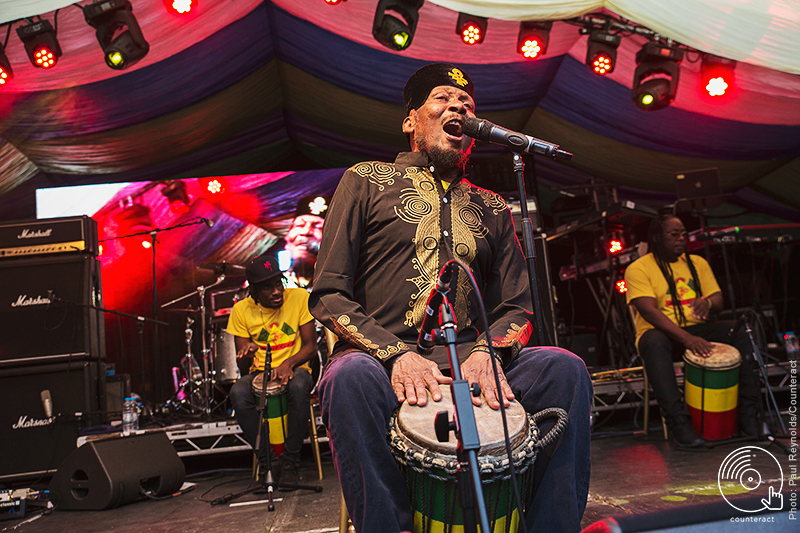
(229, 269)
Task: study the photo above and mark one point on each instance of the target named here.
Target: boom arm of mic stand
(466, 429)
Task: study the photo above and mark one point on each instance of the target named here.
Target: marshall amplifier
(43, 409)
(34, 329)
(48, 236)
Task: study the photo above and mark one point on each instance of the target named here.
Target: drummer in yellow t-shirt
(673, 297)
(274, 316)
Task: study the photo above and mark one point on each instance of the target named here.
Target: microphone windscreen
(470, 127)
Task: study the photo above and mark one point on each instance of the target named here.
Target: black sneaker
(684, 434)
(289, 476)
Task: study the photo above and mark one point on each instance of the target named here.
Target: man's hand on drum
(412, 374)
(248, 350)
(478, 369)
(283, 373)
(698, 345)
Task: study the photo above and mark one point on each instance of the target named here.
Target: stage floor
(631, 474)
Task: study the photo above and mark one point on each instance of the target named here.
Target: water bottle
(130, 416)
(792, 346)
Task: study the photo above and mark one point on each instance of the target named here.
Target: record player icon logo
(766, 479)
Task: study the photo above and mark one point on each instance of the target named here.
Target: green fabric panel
(628, 165)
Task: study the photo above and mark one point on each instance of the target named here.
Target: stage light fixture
(395, 22)
(117, 31)
(655, 80)
(470, 28)
(334, 2)
(601, 54)
(533, 38)
(180, 7)
(614, 246)
(717, 75)
(175, 192)
(6, 74)
(41, 43)
(622, 287)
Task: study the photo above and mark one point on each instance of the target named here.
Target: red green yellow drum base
(277, 409)
(712, 396)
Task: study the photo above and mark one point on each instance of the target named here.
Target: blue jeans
(358, 401)
(298, 414)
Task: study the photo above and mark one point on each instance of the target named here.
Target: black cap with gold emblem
(423, 81)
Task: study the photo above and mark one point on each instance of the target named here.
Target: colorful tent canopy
(239, 86)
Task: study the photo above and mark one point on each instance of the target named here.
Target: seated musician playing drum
(389, 230)
(279, 317)
(668, 274)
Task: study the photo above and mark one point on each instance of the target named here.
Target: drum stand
(268, 485)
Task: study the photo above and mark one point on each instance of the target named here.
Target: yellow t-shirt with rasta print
(280, 328)
(644, 278)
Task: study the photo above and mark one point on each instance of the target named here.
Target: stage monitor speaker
(35, 330)
(33, 441)
(107, 473)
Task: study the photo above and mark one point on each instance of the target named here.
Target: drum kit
(202, 382)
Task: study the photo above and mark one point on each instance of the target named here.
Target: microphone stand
(465, 428)
(529, 247)
(153, 233)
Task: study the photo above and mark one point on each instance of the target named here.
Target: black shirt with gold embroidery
(390, 229)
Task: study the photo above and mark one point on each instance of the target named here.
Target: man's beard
(446, 160)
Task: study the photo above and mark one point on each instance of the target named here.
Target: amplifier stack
(52, 340)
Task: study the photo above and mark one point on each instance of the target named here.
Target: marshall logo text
(25, 422)
(24, 300)
(28, 234)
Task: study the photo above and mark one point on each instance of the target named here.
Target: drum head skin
(417, 424)
(722, 357)
(274, 387)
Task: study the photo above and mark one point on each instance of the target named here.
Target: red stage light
(615, 246)
(146, 243)
(44, 57)
(622, 288)
(471, 29)
(471, 34)
(717, 75)
(180, 7)
(215, 185)
(4, 76)
(602, 65)
(533, 38)
(334, 2)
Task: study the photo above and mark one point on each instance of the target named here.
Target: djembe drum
(277, 410)
(430, 467)
(712, 390)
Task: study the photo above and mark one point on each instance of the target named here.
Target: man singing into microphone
(673, 297)
(279, 318)
(390, 229)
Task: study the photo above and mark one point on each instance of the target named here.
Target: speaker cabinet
(34, 330)
(108, 473)
(32, 442)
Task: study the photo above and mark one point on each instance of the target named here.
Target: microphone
(47, 403)
(717, 234)
(739, 323)
(208, 222)
(483, 130)
(425, 340)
